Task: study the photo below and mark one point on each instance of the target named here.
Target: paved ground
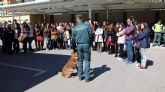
(38, 72)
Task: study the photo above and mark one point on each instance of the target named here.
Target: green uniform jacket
(82, 33)
(158, 27)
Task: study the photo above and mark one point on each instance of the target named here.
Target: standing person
(110, 39)
(66, 37)
(39, 37)
(17, 33)
(25, 32)
(99, 38)
(68, 28)
(105, 28)
(30, 38)
(137, 46)
(93, 35)
(42, 26)
(116, 39)
(60, 28)
(54, 36)
(94, 27)
(47, 35)
(144, 44)
(82, 37)
(4, 45)
(35, 35)
(129, 40)
(9, 38)
(121, 40)
(157, 28)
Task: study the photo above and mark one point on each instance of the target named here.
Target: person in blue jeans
(157, 28)
(129, 40)
(144, 44)
(82, 37)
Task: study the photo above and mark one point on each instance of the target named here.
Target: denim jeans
(157, 37)
(54, 44)
(129, 46)
(29, 41)
(83, 57)
(143, 57)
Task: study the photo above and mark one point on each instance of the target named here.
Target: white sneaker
(119, 59)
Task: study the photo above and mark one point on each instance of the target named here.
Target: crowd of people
(128, 42)
(45, 35)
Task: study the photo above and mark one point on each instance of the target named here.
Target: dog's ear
(74, 51)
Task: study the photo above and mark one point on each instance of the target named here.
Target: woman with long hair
(39, 37)
(17, 33)
(54, 36)
(121, 41)
(99, 37)
(144, 44)
(110, 39)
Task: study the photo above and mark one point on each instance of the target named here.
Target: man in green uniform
(82, 37)
(157, 28)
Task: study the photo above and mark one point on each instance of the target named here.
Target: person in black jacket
(9, 38)
(116, 39)
(111, 38)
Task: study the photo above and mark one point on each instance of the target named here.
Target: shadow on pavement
(18, 72)
(95, 72)
(149, 63)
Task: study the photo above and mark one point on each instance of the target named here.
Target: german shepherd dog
(69, 67)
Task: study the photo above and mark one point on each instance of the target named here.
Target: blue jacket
(82, 33)
(144, 38)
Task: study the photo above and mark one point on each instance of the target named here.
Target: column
(90, 12)
(107, 15)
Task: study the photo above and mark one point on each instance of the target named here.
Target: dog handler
(82, 37)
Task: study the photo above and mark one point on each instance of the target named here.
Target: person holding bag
(54, 36)
(39, 38)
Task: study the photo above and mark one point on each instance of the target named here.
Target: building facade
(45, 11)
